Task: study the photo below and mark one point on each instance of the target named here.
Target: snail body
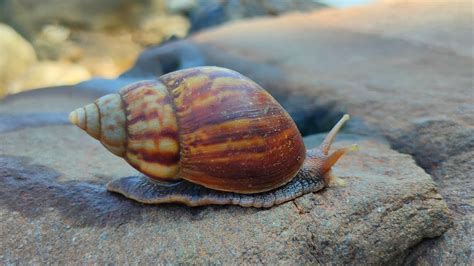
(206, 135)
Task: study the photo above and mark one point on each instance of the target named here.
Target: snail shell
(207, 135)
(210, 126)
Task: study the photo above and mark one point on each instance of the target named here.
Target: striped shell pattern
(211, 126)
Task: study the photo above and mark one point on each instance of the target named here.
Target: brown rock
(396, 85)
(402, 67)
(103, 54)
(94, 34)
(82, 14)
(54, 206)
(16, 55)
(208, 13)
(155, 29)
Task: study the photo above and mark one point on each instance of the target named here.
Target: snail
(207, 135)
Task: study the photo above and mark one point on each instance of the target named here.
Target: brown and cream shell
(208, 125)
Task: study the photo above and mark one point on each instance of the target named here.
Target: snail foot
(144, 190)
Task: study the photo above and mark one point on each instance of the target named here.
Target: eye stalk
(326, 145)
(321, 158)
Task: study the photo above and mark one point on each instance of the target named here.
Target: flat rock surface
(408, 81)
(54, 208)
(404, 68)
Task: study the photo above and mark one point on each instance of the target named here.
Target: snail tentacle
(326, 144)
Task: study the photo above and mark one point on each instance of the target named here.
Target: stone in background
(20, 69)
(209, 13)
(15, 57)
(405, 68)
(88, 38)
(104, 37)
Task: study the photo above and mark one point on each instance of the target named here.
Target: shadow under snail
(207, 135)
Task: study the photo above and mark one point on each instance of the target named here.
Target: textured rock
(54, 206)
(394, 83)
(403, 69)
(16, 55)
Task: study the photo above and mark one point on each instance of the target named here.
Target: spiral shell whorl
(104, 120)
(234, 136)
(152, 130)
(211, 126)
(137, 124)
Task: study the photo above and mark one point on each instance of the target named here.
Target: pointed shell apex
(77, 117)
(73, 117)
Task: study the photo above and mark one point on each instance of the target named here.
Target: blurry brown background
(56, 42)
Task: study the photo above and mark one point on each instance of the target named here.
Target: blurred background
(55, 42)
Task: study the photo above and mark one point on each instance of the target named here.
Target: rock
(44, 74)
(155, 29)
(169, 57)
(104, 54)
(432, 28)
(92, 34)
(52, 43)
(54, 206)
(110, 14)
(88, 14)
(208, 13)
(95, 35)
(403, 68)
(389, 211)
(180, 6)
(55, 33)
(15, 57)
